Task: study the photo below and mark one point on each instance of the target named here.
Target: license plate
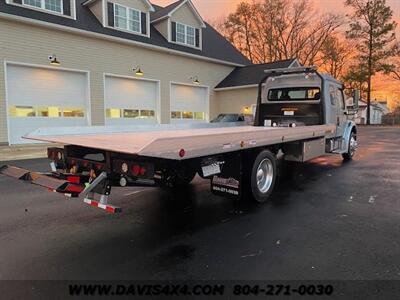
(211, 170)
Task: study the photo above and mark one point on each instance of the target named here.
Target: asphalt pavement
(326, 220)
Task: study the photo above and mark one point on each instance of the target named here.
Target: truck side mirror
(356, 98)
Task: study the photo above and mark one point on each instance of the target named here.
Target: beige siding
(99, 56)
(185, 15)
(162, 28)
(234, 101)
(97, 10)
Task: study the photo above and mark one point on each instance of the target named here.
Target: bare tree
(335, 55)
(271, 30)
(372, 26)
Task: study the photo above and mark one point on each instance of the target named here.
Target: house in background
(109, 62)
(378, 110)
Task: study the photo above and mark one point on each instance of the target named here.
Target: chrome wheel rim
(265, 175)
(353, 145)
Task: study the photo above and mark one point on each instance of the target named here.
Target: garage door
(42, 97)
(189, 104)
(130, 101)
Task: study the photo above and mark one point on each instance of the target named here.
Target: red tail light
(142, 171)
(135, 170)
(182, 153)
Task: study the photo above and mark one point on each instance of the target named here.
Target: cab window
(340, 98)
(295, 94)
(332, 95)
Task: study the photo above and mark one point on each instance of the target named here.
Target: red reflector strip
(74, 179)
(108, 208)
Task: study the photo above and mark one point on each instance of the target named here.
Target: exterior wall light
(195, 79)
(53, 60)
(246, 110)
(138, 71)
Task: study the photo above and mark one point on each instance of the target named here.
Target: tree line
(351, 47)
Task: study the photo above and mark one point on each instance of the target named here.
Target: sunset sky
(212, 10)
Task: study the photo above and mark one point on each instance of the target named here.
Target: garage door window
(188, 115)
(131, 113)
(46, 111)
(51, 112)
(116, 113)
(113, 113)
(73, 112)
(147, 114)
(22, 111)
(199, 116)
(176, 115)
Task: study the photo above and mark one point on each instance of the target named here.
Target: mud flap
(229, 183)
(46, 180)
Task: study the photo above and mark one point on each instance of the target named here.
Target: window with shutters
(127, 18)
(50, 5)
(186, 35)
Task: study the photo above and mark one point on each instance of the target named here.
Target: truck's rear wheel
(352, 148)
(263, 176)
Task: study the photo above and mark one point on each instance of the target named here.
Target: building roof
(252, 74)
(214, 47)
(167, 11)
(164, 11)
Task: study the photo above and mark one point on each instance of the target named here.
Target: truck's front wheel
(352, 148)
(263, 176)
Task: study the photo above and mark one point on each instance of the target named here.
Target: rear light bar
(86, 164)
(134, 169)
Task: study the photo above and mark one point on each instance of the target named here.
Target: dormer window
(64, 8)
(180, 23)
(51, 5)
(127, 18)
(185, 34)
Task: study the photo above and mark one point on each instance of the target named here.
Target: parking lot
(326, 220)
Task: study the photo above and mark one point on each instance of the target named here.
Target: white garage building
(108, 62)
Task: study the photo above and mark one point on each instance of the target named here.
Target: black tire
(348, 156)
(267, 159)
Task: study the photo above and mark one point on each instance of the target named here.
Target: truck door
(341, 108)
(336, 108)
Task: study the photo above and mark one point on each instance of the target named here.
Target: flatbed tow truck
(301, 114)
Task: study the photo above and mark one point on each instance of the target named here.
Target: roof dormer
(132, 16)
(180, 23)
